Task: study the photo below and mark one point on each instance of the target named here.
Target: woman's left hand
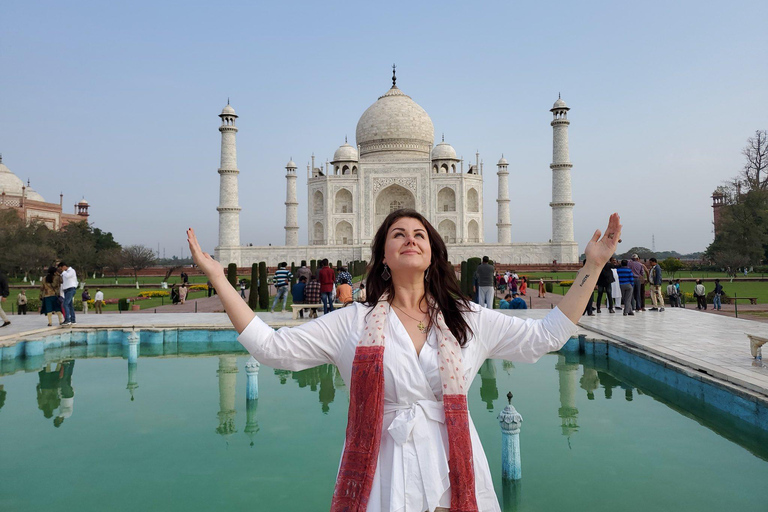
(599, 250)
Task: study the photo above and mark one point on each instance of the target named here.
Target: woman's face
(407, 247)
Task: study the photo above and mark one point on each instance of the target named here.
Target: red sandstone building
(31, 206)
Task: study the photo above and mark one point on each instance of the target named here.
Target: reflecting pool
(87, 430)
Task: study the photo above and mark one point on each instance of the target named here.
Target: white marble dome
(290, 165)
(228, 111)
(395, 122)
(444, 151)
(345, 153)
(502, 161)
(13, 186)
(560, 104)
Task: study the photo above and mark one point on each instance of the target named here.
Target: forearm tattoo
(584, 280)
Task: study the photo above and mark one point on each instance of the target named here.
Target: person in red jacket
(327, 277)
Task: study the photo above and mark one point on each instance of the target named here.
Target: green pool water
(177, 434)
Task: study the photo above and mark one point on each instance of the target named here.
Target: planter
(135, 307)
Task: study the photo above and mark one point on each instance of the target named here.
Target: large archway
(446, 200)
(319, 234)
(343, 201)
(473, 231)
(447, 230)
(392, 198)
(473, 202)
(318, 207)
(343, 233)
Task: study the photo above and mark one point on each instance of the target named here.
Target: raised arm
(598, 252)
(238, 311)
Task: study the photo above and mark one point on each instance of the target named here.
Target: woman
(49, 293)
(183, 293)
(523, 285)
(542, 288)
(408, 403)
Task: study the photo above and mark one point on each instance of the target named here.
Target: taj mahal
(395, 164)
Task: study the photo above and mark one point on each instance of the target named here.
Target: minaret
(504, 226)
(229, 209)
(227, 374)
(562, 204)
(291, 206)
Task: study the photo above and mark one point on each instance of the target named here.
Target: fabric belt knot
(410, 415)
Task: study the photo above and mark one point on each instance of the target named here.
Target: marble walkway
(716, 345)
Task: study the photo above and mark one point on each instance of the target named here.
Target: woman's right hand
(203, 260)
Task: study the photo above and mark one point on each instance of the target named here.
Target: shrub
(122, 304)
(313, 267)
(549, 286)
(232, 275)
(263, 286)
(253, 298)
(155, 293)
(566, 284)
(197, 287)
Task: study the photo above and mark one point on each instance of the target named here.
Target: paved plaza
(702, 342)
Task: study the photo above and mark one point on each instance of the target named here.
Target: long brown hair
(440, 283)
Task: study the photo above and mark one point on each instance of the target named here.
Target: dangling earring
(385, 275)
(426, 274)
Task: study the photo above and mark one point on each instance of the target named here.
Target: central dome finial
(394, 77)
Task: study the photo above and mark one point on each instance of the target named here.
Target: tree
(113, 261)
(742, 239)
(642, 252)
(755, 171)
(138, 257)
(671, 266)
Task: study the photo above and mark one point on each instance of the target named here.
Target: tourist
(615, 286)
(517, 302)
(303, 271)
(627, 283)
(98, 303)
(381, 349)
(542, 288)
(654, 281)
(326, 277)
(184, 277)
(49, 293)
(343, 275)
(504, 303)
(183, 290)
(312, 294)
(21, 302)
(5, 291)
(242, 288)
(281, 281)
(638, 292)
(85, 297)
(210, 288)
(174, 294)
(672, 295)
(513, 283)
(297, 293)
(484, 276)
(361, 293)
(701, 295)
(68, 287)
(717, 298)
(344, 291)
(604, 283)
(523, 285)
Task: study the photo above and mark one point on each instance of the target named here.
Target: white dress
(412, 470)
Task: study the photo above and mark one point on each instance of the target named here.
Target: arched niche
(473, 231)
(317, 202)
(447, 230)
(319, 233)
(392, 198)
(343, 233)
(446, 200)
(473, 202)
(343, 201)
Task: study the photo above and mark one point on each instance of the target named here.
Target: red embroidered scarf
(366, 416)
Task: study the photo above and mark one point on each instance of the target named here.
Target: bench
(298, 307)
(755, 344)
(752, 300)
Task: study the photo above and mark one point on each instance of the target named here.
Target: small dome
(83, 202)
(13, 186)
(345, 153)
(443, 151)
(559, 105)
(228, 111)
(503, 161)
(290, 165)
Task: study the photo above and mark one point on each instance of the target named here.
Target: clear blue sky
(118, 102)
